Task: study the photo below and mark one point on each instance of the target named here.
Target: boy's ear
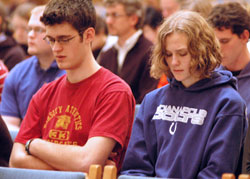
(89, 34)
(245, 35)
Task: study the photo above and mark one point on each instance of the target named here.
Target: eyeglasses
(114, 15)
(61, 41)
(36, 30)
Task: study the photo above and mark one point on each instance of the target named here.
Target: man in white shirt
(129, 57)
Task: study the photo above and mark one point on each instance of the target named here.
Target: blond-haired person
(194, 126)
(27, 77)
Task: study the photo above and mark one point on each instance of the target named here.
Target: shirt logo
(63, 121)
(59, 135)
(182, 114)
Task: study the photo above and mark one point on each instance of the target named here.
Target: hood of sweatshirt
(218, 78)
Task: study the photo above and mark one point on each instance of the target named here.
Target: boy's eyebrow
(59, 37)
(224, 38)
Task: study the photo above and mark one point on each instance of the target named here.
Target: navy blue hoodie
(194, 132)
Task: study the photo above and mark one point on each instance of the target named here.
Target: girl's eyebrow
(180, 49)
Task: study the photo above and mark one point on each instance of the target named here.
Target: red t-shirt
(70, 114)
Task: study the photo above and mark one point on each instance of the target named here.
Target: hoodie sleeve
(223, 148)
(140, 156)
(246, 155)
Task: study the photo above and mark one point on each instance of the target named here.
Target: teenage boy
(84, 116)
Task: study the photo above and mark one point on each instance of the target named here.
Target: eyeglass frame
(114, 15)
(36, 30)
(63, 41)
(52, 41)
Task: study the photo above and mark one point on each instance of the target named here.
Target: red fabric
(163, 81)
(101, 105)
(3, 75)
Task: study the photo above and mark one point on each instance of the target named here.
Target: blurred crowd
(133, 40)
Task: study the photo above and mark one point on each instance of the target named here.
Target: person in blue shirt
(28, 76)
(231, 24)
(195, 126)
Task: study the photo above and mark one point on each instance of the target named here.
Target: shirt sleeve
(246, 155)
(31, 125)
(140, 157)
(113, 116)
(9, 104)
(221, 154)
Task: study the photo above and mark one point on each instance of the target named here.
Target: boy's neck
(88, 68)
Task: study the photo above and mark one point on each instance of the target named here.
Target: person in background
(3, 74)
(129, 57)
(6, 144)
(72, 118)
(168, 7)
(10, 52)
(101, 33)
(110, 40)
(195, 126)
(202, 7)
(152, 3)
(12, 4)
(152, 21)
(27, 77)
(231, 24)
(19, 21)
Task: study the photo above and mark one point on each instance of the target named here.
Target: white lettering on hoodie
(176, 114)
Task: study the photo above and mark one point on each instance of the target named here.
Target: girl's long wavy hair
(203, 46)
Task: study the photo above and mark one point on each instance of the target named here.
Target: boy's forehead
(60, 29)
(223, 31)
(115, 6)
